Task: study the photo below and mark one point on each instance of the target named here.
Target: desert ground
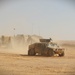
(18, 64)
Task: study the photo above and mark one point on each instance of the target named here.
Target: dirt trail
(18, 64)
(15, 64)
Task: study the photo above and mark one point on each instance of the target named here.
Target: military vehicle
(45, 48)
(19, 39)
(5, 41)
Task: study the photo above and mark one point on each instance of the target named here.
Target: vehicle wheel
(44, 53)
(31, 52)
(50, 52)
(62, 54)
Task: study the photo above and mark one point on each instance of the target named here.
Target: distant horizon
(38, 36)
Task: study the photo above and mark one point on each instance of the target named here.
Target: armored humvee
(45, 48)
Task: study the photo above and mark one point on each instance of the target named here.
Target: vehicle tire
(44, 53)
(62, 54)
(50, 52)
(31, 52)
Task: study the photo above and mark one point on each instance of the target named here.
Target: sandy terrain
(15, 64)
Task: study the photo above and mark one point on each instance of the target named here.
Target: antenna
(14, 31)
(39, 30)
(32, 33)
(32, 29)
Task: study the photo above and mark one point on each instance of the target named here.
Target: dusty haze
(19, 45)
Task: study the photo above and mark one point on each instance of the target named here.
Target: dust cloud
(17, 44)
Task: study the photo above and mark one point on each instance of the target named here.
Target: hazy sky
(48, 18)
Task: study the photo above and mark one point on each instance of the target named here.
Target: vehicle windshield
(53, 45)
